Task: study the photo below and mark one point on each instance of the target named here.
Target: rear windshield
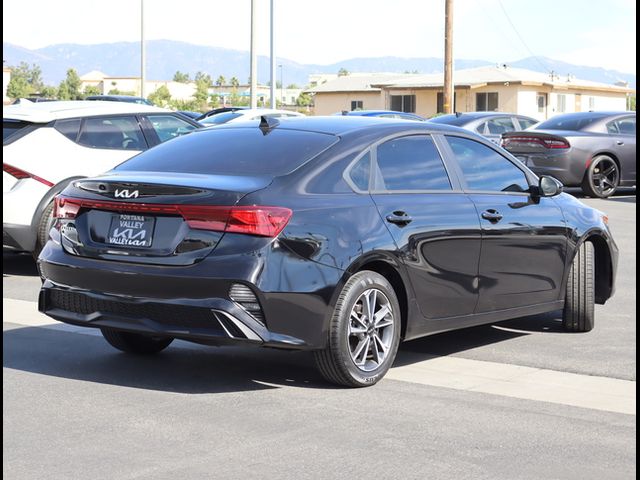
(455, 120)
(233, 151)
(568, 122)
(11, 127)
(219, 118)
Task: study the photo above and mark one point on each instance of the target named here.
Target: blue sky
(594, 32)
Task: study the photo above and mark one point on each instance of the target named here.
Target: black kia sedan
(341, 235)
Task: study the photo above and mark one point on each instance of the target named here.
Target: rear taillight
(250, 220)
(21, 174)
(514, 141)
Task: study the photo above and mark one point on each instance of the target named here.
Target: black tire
(602, 177)
(135, 342)
(44, 225)
(578, 314)
(335, 362)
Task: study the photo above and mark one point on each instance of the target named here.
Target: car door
(623, 131)
(524, 237)
(433, 223)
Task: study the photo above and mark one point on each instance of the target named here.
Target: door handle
(399, 218)
(620, 142)
(492, 215)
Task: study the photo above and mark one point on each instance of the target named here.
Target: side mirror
(549, 187)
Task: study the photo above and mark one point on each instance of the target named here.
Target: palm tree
(221, 81)
(235, 82)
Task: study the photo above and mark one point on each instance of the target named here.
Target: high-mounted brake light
(251, 220)
(22, 174)
(533, 141)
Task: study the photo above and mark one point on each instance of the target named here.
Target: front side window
(486, 170)
(487, 102)
(410, 163)
(121, 133)
(169, 126)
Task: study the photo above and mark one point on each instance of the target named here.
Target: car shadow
(19, 264)
(194, 369)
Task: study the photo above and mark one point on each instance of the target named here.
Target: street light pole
(273, 58)
(254, 58)
(281, 86)
(448, 94)
(142, 52)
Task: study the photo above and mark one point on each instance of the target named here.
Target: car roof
(467, 117)
(342, 124)
(265, 111)
(44, 112)
(364, 113)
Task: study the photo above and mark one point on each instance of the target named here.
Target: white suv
(47, 145)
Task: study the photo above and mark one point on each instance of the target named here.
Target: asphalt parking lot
(518, 399)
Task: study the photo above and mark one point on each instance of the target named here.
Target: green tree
(203, 82)
(70, 86)
(293, 86)
(91, 90)
(181, 77)
(221, 81)
(117, 91)
(49, 91)
(161, 97)
(25, 80)
(235, 83)
(304, 100)
(343, 72)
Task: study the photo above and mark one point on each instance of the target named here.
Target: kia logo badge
(126, 194)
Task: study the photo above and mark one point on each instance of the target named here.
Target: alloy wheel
(604, 176)
(371, 329)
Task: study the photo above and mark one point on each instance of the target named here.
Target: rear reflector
(21, 174)
(534, 141)
(250, 220)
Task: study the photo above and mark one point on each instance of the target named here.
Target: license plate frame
(131, 231)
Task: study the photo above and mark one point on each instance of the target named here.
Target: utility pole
(273, 57)
(254, 58)
(448, 96)
(142, 52)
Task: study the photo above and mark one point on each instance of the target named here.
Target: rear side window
(526, 122)
(12, 127)
(486, 170)
(233, 151)
(410, 163)
(359, 173)
(69, 128)
(169, 126)
(122, 133)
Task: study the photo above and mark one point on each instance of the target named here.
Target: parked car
(488, 124)
(341, 235)
(246, 115)
(190, 114)
(220, 110)
(45, 146)
(592, 150)
(382, 114)
(119, 98)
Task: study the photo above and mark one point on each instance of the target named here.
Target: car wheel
(578, 315)
(364, 332)
(602, 177)
(135, 342)
(44, 225)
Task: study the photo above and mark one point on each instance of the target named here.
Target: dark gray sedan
(592, 150)
(488, 124)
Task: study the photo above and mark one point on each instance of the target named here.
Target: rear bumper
(192, 302)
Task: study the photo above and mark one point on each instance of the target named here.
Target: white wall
(604, 103)
(528, 104)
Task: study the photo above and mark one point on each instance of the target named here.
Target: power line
(547, 69)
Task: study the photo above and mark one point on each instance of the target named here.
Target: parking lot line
(598, 393)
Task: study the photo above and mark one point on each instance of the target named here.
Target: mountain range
(165, 57)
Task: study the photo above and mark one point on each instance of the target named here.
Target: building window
(562, 103)
(356, 105)
(403, 103)
(592, 103)
(487, 102)
(541, 100)
(440, 102)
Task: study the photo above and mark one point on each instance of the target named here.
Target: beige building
(106, 83)
(492, 88)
